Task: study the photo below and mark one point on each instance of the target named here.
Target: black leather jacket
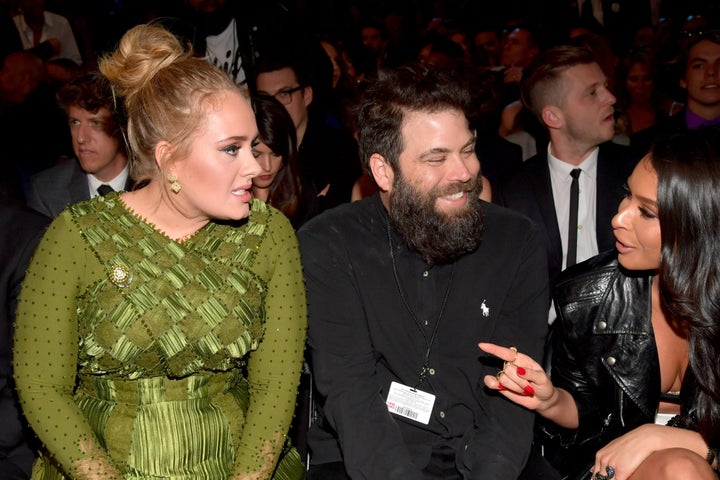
(604, 354)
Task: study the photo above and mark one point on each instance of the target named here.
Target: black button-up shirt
(362, 337)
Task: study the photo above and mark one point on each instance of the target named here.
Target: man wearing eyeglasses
(328, 157)
(283, 84)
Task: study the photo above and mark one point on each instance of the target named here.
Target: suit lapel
(542, 189)
(79, 190)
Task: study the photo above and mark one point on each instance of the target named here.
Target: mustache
(471, 186)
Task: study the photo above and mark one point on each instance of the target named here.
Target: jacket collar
(618, 316)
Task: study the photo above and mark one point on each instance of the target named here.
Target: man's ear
(552, 116)
(307, 93)
(683, 83)
(382, 172)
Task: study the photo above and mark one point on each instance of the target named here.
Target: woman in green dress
(160, 332)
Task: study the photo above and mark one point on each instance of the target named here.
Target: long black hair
(688, 169)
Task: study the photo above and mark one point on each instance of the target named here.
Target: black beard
(438, 237)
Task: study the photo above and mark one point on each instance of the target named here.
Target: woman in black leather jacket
(637, 338)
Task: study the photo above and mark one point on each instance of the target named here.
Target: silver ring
(610, 474)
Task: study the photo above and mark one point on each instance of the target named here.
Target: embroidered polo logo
(485, 309)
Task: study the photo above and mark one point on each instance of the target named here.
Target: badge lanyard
(428, 343)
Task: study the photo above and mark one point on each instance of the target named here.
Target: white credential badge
(410, 402)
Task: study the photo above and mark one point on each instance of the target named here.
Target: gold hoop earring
(174, 184)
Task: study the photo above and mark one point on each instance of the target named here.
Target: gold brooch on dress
(120, 275)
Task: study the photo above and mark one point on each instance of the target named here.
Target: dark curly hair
(396, 92)
(90, 92)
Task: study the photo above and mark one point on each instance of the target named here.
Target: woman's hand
(95, 465)
(627, 452)
(522, 380)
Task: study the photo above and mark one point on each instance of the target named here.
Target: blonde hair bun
(143, 51)
(165, 91)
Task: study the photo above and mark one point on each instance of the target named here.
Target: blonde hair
(165, 90)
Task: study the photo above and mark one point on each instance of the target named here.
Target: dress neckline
(184, 241)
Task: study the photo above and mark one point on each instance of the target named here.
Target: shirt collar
(49, 20)
(693, 120)
(118, 183)
(384, 215)
(562, 169)
(21, 23)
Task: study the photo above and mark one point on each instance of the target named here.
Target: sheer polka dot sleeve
(274, 368)
(46, 350)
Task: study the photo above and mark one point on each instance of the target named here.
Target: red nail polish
(501, 387)
(529, 390)
(521, 371)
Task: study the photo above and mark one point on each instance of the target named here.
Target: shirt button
(431, 371)
(602, 325)
(426, 273)
(442, 414)
(610, 361)
(579, 227)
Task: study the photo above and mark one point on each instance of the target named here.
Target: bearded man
(401, 288)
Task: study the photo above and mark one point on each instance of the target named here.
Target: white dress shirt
(117, 183)
(587, 232)
(55, 26)
(561, 181)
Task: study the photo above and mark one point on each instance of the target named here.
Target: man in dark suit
(20, 232)
(566, 89)
(101, 163)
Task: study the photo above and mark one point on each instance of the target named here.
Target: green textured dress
(152, 359)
